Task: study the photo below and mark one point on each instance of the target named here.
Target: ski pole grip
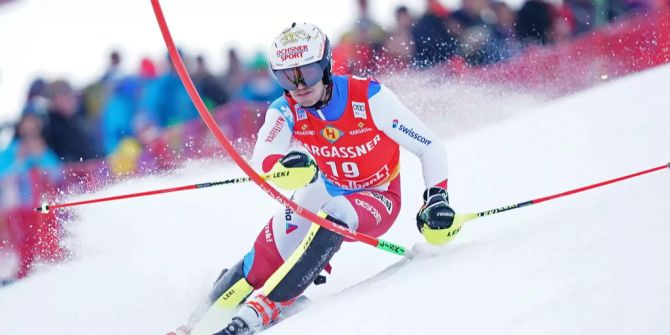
(391, 247)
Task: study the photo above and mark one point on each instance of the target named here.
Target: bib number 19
(348, 169)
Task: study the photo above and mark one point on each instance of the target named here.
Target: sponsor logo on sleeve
(411, 133)
(359, 110)
(279, 125)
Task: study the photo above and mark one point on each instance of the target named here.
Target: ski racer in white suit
(350, 130)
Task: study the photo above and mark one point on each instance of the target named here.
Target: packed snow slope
(592, 263)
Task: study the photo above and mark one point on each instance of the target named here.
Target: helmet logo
(293, 36)
(292, 52)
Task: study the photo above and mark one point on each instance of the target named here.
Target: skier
(350, 129)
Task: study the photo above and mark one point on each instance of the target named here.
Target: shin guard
(305, 264)
(231, 288)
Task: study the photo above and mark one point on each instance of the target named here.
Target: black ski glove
(435, 218)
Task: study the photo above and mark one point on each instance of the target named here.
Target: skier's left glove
(435, 219)
(293, 171)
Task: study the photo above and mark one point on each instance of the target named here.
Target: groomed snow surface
(592, 263)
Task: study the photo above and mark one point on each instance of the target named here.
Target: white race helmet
(299, 45)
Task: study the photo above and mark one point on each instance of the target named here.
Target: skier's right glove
(435, 219)
(293, 171)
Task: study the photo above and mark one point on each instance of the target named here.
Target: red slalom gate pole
(45, 208)
(462, 218)
(225, 143)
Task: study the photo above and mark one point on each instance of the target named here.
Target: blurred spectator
(505, 19)
(234, 77)
(358, 49)
(126, 157)
(260, 86)
(534, 22)
(64, 132)
(399, 46)
(147, 68)
(166, 100)
(121, 115)
(208, 86)
(505, 30)
(369, 30)
(113, 72)
(37, 101)
(433, 42)
(588, 14)
(119, 112)
(28, 151)
(583, 14)
(563, 24)
(474, 25)
(95, 95)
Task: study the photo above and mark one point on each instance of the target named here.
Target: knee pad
(340, 211)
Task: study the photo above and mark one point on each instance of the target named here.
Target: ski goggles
(308, 75)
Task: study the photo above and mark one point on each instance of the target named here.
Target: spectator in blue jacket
(119, 113)
(166, 101)
(27, 152)
(260, 86)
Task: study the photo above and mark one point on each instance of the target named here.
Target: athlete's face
(309, 96)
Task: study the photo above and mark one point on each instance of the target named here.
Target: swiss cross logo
(331, 134)
(359, 110)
